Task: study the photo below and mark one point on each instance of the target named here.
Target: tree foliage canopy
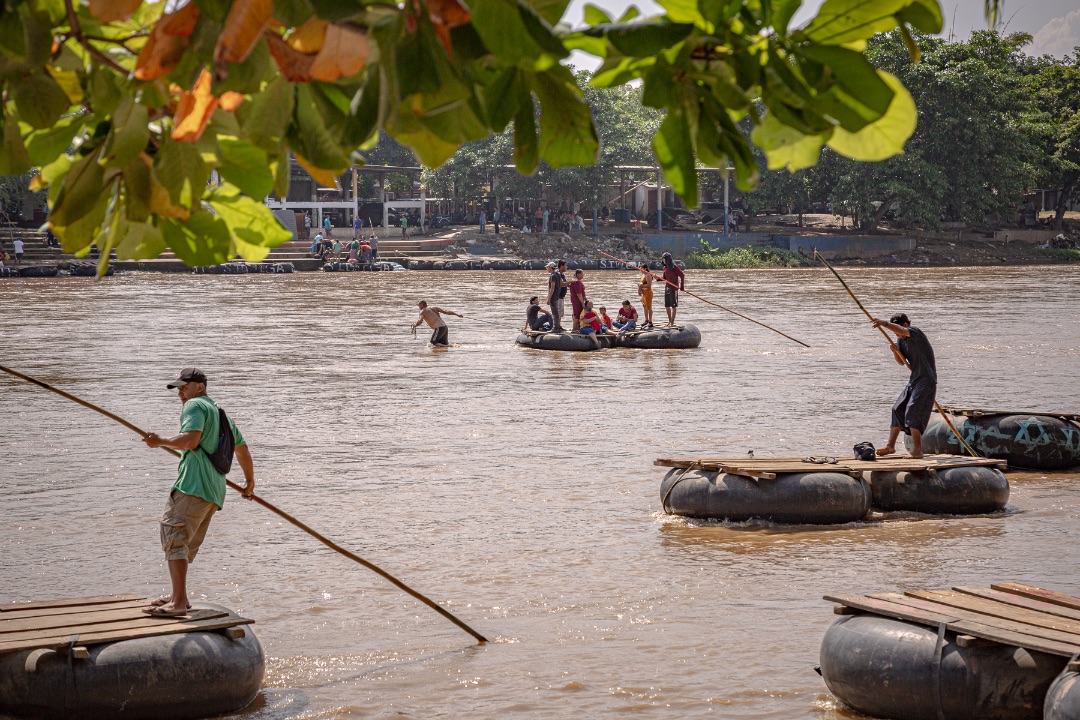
(154, 97)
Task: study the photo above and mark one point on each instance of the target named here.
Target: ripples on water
(515, 486)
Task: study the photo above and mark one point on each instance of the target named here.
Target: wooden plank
(967, 627)
(71, 611)
(842, 465)
(1030, 591)
(68, 602)
(75, 621)
(98, 638)
(116, 625)
(997, 622)
(1020, 601)
(1000, 610)
(980, 412)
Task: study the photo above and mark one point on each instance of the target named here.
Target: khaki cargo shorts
(184, 524)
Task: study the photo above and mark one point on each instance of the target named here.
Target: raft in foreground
(104, 658)
(825, 491)
(1030, 440)
(1000, 653)
(678, 337)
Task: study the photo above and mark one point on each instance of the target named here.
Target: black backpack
(222, 458)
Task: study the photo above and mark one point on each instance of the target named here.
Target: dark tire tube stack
(954, 491)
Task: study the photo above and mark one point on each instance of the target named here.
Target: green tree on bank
(152, 102)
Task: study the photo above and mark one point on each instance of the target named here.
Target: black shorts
(914, 406)
(441, 336)
(671, 297)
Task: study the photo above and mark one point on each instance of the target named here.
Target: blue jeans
(628, 325)
(543, 323)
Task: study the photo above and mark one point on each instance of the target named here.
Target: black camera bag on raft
(865, 451)
(222, 458)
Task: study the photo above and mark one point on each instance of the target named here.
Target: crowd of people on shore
(361, 250)
(593, 321)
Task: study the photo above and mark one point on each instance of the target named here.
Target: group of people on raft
(594, 321)
(361, 250)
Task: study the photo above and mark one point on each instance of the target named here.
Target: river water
(515, 486)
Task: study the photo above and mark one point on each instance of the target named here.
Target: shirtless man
(431, 315)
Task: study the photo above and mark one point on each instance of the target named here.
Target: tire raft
(892, 669)
(1063, 698)
(1034, 442)
(573, 342)
(953, 491)
(818, 498)
(677, 338)
(168, 677)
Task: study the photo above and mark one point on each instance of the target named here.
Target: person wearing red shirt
(627, 318)
(605, 320)
(590, 323)
(577, 297)
(674, 280)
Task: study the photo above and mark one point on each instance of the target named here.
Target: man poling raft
(272, 508)
(708, 302)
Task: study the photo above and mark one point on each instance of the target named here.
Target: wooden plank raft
(767, 468)
(982, 412)
(77, 622)
(1006, 613)
(629, 333)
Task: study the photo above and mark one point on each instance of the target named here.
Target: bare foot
(916, 456)
(890, 450)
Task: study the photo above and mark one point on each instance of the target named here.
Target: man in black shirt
(535, 318)
(912, 409)
(556, 293)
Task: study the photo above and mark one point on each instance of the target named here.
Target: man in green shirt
(199, 490)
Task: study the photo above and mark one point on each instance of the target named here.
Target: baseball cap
(188, 375)
(550, 265)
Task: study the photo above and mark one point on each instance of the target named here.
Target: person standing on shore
(18, 245)
(913, 407)
(645, 292)
(556, 292)
(495, 218)
(199, 490)
(577, 297)
(433, 317)
(483, 220)
(327, 226)
(674, 281)
(307, 224)
(357, 227)
(404, 227)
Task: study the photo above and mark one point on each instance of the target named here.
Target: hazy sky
(1055, 24)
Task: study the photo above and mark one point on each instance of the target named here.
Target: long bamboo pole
(277, 511)
(892, 344)
(710, 302)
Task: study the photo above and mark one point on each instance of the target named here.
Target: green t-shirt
(197, 475)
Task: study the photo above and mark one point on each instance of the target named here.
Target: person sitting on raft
(605, 319)
(590, 323)
(354, 250)
(536, 318)
(912, 409)
(627, 318)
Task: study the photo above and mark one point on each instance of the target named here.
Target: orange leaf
(309, 37)
(446, 14)
(111, 10)
(194, 110)
(325, 178)
(344, 53)
(166, 44)
(230, 100)
(296, 67)
(245, 22)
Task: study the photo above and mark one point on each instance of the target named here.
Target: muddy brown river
(516, 486)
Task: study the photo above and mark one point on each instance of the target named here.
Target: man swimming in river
(432, 316)
(912, 409)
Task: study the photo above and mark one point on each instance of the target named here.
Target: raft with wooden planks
(826, 490)
(677, 337)
(1025, 439)
(103, 657)
(1006, 652)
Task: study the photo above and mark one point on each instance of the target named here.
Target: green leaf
(595, 15)
(129, 134)
(683, 11)
(924, 15)
(504, 97)
(267, 116)
(52, 173)
(245, 166)
(885, 137)
(105, 90)
(675, 150)
(40, 100)
(78, 236)
(181, 169)
(292, 13)
(203, 239)
(247, 77)
(502, 26)
(217, 9)
(551, 10)
(841, 21)
(430, 149)
(541, 33)
(280, 168)
(567, 135)
(44, 146)
(82, 187)
(364, 112)
(310, 137)
(253, 228)
(781, 12)
(140, 241)
(646, 39)
(338, 10)
(526, 148)
(138, 186)
(785, 146)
